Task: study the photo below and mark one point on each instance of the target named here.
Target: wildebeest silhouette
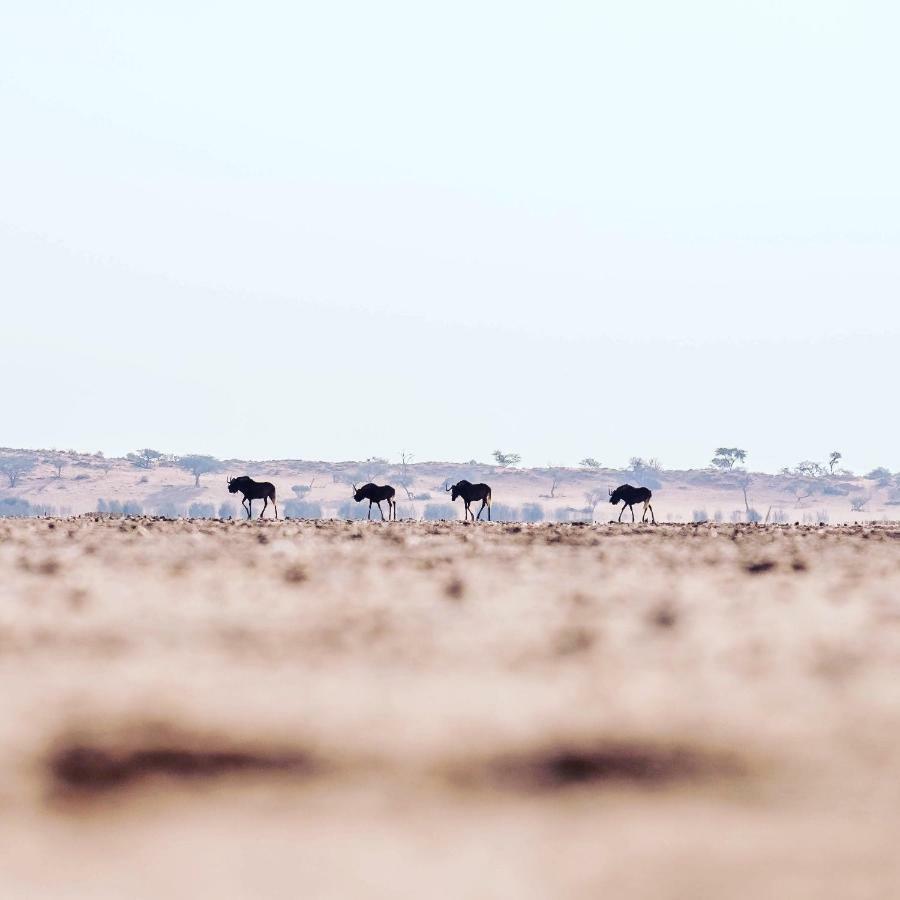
(631, 495)
(253, 490)
(470, 492)
(375, 494)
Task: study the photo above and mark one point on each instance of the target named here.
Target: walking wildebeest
(631, 495)
(253, 490)
(375, 494)
(470, 492)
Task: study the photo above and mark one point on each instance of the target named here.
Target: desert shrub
(836, 490)
(406, 511)
(753, 515)
(14, 507)
(737, 515)
(199, 510)
(699, 515)
(881, 475)
(227, 510)
(570, 514)
(132, 508)
(81, 477)
(350, 509)
(718, 518)
(500, 512)
(300, 490)
(532, 512)
(778, 517)
(303, 509)
(42, 509)
(435, 511)
(424, 496)
(168, 510)
(858, 504)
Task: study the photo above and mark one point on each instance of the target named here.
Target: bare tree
(593, 499)
(556, 476)
(404, 476)
(833, 458)
(57, 461)
(199, 465)
(16, 467)
(858, 504)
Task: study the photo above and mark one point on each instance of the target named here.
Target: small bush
(227, 510)
(303, 509)
(435, 511)
(350, 509)
(168, 510)
(836, 490)
(500, 512)
(699, 515)
(14, 507)
(753, 516)
(199, 510)
(132, 508)
(718, 517)
(532, 512)
(778, 517)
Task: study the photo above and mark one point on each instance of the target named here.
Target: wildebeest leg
(631, 507)
(652, 516)
(265, 504)
(380, 509)
(483, 505)
(249, 508)
(467, 511)
(276, 507)
(620, 513)
(392, 509)
(369, 516)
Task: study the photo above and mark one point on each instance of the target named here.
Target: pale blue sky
(334, 230)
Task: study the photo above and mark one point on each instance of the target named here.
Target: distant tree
(403, 475)
(593, 499)
(646, 471)
(744, 483)
(726, 457)
(589, 463)
(556, 476)
(809, 469)
(833, 458)
(56, 461)
(504, 460)
(373, 468)
(16, 466)
(199, 465)
(881, 475)
(858, 504)
(144, 459)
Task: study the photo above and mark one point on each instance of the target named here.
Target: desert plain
(332, 709)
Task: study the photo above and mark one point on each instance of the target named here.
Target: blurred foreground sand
(330, 710)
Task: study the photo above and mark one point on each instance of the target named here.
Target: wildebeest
(631, 495)
(375, 494)
(253, 490)
(470, 492)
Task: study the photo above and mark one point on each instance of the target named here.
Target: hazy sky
(335, 230)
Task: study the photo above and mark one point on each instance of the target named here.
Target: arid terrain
(331, 710)
(70, 483)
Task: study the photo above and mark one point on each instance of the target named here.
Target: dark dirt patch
(85, 768)
(612, 763)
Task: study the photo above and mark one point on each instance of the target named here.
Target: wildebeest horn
(448, 489)
(610, 491)
(354, 487)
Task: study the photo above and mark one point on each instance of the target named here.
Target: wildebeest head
(615, 495)
(357, 494)
(454, 491)
(232, 485)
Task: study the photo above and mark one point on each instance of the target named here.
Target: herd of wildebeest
(252, 490)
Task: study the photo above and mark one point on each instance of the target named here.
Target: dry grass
(407, 710)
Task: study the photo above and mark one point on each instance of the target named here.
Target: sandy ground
(332, 710)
